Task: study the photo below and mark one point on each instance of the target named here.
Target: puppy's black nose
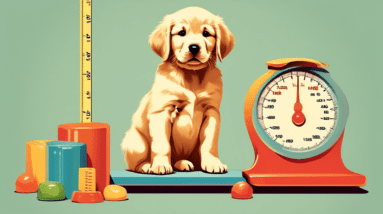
(194, 49)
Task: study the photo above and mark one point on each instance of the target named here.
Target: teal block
(63, 160)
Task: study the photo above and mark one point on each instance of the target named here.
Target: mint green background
(39, 88)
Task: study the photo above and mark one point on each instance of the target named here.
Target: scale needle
(298, 117)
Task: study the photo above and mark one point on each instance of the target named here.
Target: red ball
(242, 190)
(26, 183)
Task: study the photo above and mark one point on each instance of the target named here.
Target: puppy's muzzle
(194, 49)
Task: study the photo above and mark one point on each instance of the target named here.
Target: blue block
(63, 160)
(128, 178)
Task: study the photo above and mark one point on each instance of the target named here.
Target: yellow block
(115, 193)
(35, 159)
(87, 179)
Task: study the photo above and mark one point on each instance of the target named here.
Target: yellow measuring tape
(85, 61)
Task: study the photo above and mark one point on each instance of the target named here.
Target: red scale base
(327, 169)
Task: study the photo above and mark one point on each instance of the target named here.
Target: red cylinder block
(96, 136)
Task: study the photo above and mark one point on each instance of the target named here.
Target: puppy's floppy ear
(225, 40)
(159, 40)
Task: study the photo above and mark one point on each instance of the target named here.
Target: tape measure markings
(85, 61)
(87, 179)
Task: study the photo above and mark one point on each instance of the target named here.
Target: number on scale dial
(298, 110)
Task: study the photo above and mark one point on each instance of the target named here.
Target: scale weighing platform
(190, 182)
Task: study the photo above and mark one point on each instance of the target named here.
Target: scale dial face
(298, 110)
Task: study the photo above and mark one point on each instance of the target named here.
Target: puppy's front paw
(161, 167)
(184, 165)
(212, 164)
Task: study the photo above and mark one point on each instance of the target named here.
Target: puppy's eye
(182, 33)
(205, 33)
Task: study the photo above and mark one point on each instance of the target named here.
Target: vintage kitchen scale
(296, 115)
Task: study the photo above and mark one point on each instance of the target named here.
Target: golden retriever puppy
(177, 123)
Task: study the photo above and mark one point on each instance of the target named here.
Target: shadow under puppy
(177, 123)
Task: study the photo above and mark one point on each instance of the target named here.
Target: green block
(51, 191)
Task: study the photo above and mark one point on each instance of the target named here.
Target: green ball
(51, 191)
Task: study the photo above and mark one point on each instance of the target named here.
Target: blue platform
(196, 178)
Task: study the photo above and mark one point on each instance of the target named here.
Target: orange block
(26, 183)
(96, 136)
(35, 159)
(242, 190)
(87, 197)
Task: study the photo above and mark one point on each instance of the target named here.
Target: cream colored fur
(176, 125)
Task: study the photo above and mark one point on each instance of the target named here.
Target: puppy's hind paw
(144, 168)
(184, 165)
